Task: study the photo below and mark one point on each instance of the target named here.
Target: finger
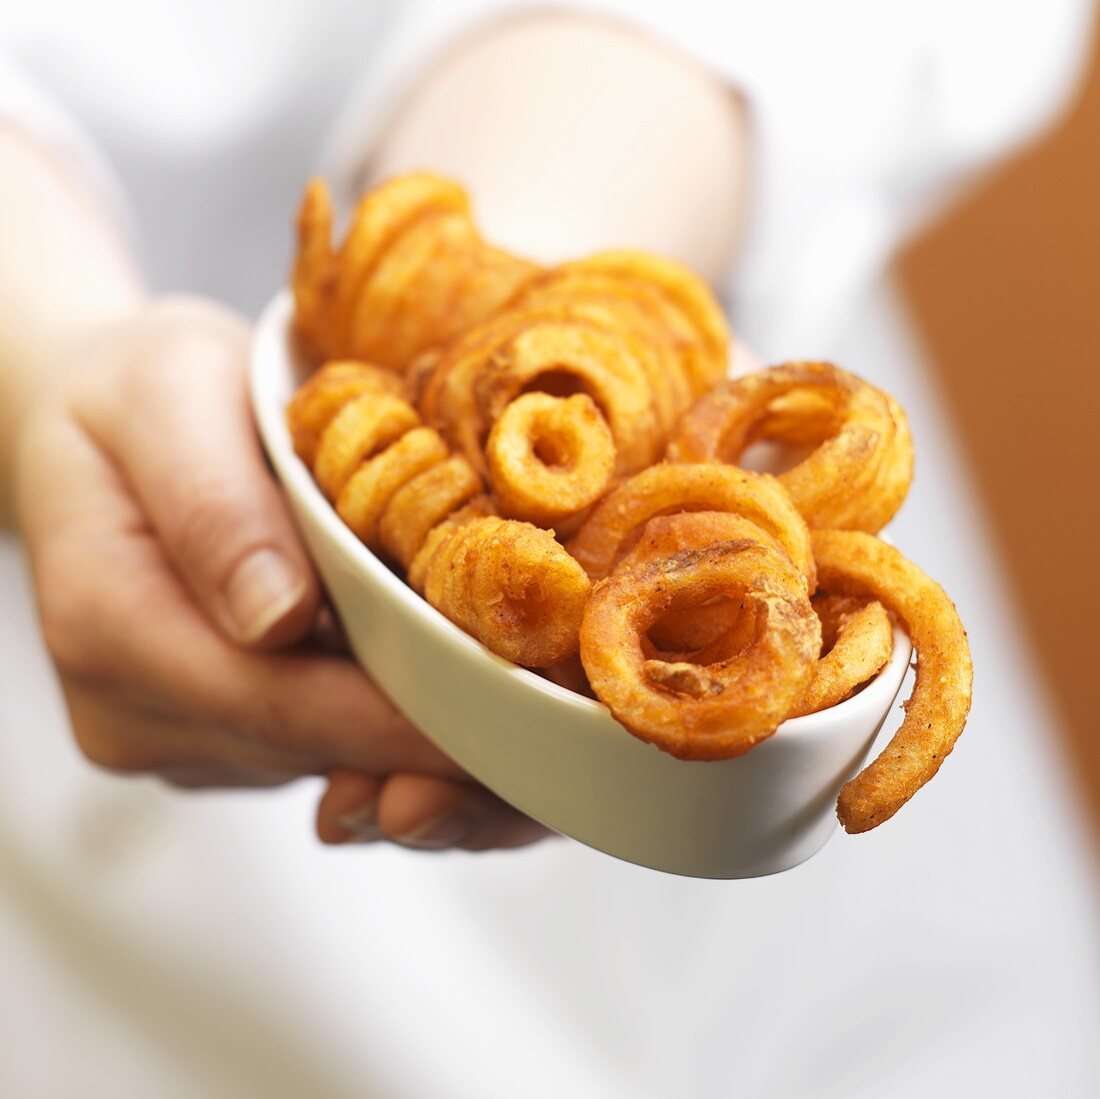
(432, 814)
(348, 809)
(115, 615)
(176, 417)
(133, 740)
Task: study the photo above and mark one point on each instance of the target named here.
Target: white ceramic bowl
(556, 756)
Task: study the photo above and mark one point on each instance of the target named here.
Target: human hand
(181, 610)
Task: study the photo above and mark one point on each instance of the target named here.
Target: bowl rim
(271, 348)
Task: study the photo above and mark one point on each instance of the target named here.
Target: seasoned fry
(477, 508)
(412, 273)
(422, 503)
(549, 457)
(702, 337)
(476, 379)
(690, 710)
(691, 633)
(511, 586)
(371, 487)
(313, 276)
(675, 487)
(642, 337)
(363, 427)
(861, 464)
(854, 563)
(326, 392)
(857, 641)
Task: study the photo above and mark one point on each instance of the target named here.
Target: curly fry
(690, 710)
(861, 462)
(857, 641)
(854, 563)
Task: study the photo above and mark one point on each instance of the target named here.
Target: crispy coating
(372, 486)
(477, 508)
(692, 633)
(326, 392)
(861, 463)
(654, 331)
(549, 457)
(381, 216)
(412, 272)
(693, 322)
(476, 378)
(695, 711)
(642, 337)
(364, 426)
(512, 586)
(857, 641)
(669, 488)
(854, 563)
(422, 503)
(313, 275)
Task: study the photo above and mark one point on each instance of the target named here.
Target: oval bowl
(554, 755)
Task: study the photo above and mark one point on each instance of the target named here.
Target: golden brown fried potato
(476, 378)
(424, 502)
(477, 508)
(369, 490)
(326, 392)
(549, 457)
(676, 487)
(314, 272)
(854, 563)
(706, 351)
(563, 387)
(413, 272)
(859, 471)
(512, 587)
(690, 710)
(363, 427)
(857, 642)
(692, 632)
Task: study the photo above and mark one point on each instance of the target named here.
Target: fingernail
(446, 830)
(261, 591)
(362, 823)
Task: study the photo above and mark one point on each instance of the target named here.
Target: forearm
(64, 272)
(576, 133)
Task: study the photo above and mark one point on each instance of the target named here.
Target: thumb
(174, 412)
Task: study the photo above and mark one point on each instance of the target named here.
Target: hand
(180, 607)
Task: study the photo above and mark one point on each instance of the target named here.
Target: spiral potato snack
(641, 337)
(670, 488)
(511, 586)
(861, 463)
(549, 457)
(411, 274)
(857, 640)
(719, 709)
(854, 563)
(400, 489)
(701, 632)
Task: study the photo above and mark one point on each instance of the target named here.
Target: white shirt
(160, 944)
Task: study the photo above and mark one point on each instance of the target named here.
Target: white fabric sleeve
(28, 109)
(864, 116)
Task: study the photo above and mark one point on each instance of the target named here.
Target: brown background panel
(1006, 291)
